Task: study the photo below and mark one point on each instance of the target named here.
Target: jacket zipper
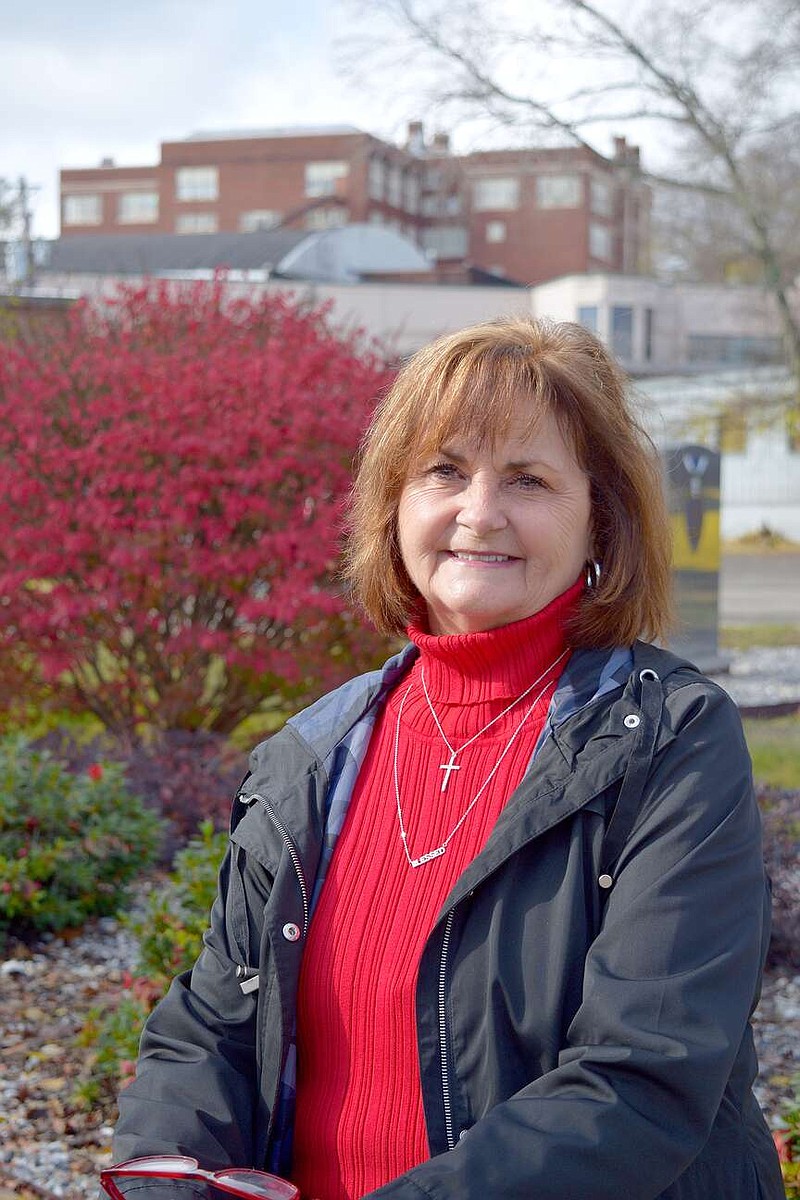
(291, 849)
(443, 1046)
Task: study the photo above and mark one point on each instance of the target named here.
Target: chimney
(441, 143)
(106, 162)
(624, 154)
(415, 140)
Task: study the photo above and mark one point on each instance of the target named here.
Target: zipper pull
(247, 798)
(248, 979)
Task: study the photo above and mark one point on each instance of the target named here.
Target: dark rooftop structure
(156, 253)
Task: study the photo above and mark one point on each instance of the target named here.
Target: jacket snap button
(631, 721)
(462, 1135)
(291, 931)
(605, 881)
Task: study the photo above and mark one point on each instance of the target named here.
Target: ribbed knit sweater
(359, 1117)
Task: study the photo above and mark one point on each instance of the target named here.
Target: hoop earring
(592, 576)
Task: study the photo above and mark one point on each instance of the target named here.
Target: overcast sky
(86, 79)
(82, 80)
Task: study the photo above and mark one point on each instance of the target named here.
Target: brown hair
(472, 383)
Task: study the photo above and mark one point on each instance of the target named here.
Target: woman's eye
(528, 482)
(443, 470)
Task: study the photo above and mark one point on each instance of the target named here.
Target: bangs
(479, 395)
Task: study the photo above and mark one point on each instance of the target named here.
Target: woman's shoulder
(676, 672)
(327, 720)
(697, 710)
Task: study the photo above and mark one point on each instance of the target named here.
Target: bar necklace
(439, 850)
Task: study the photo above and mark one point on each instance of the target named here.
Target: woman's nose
(481, 507)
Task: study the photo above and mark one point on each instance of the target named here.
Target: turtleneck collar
(495, 663)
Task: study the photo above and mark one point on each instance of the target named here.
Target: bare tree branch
(710, 70)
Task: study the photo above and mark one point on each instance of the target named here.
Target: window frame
(193, 183)
(488, 193)
(70, 198)
(547, 183)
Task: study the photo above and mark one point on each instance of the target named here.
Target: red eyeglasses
(239, 1181)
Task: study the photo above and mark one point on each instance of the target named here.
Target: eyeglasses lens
(156, 1166)
(260, 1183)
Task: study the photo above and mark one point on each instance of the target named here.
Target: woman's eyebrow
(528, 464)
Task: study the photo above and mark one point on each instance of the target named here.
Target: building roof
(288, 131)
(157, 253)
(341, 255)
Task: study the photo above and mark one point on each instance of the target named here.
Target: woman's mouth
(478, 556)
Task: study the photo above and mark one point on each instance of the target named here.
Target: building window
(559, 191)
(83, 210)
(599, 242)
(322, 178)
(411, 193)
(376, 175)
(196, 222)
(587, 317)
(328, 217)
(137, 208)
(498, 195)
(445, 241)
(495, 231)
(394, 185)
(622, 331)
(430, 206)
(719, 348)
(259, 218)
(197, 183)
(602, 197)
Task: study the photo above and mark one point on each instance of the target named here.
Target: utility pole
(26, 220)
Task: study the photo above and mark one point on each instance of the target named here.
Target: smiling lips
(477, 556)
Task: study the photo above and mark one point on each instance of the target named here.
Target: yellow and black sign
(693, 477)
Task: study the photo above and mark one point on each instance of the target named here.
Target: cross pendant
(447, 768)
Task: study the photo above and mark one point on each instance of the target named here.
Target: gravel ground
(57, 1150)
(763, 678)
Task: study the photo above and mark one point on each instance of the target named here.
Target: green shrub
(787, 1140)
(170, 935)
(69, 844)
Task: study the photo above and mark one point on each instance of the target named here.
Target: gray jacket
(583, 998)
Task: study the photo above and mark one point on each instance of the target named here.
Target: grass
(745, 637)
(774, 744)
(761, 541)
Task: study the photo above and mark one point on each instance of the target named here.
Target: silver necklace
(451, 766)
(439, 850)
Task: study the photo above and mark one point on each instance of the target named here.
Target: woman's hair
(474, 384)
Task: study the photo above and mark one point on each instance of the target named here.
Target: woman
(493, 919)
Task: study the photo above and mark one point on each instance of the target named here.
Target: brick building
(525, 214)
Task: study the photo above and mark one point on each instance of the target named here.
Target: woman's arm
(196, 1084)
(669, 983)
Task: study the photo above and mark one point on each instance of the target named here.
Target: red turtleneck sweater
(359, 1118)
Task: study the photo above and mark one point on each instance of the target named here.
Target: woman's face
(491, 534)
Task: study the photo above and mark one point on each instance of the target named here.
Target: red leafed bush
(172, 468)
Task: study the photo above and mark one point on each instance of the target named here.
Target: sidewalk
(761, 589)
(756, 589)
